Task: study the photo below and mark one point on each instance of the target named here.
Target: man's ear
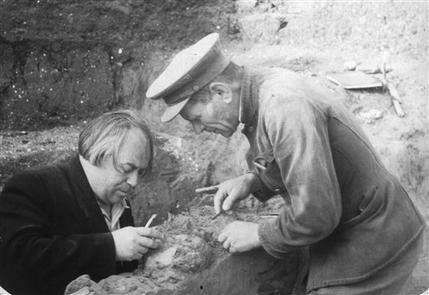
(220, 91)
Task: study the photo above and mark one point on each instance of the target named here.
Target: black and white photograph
(214, 147)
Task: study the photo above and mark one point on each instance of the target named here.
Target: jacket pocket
(370, 204)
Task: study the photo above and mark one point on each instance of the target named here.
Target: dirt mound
(191, 261)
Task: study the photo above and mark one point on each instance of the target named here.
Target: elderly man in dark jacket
(361, 228)
(59, 222)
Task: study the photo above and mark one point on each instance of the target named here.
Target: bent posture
(59, 222)
(361, 228)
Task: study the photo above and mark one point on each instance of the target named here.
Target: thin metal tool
(209, 189)
(149, 222)
(217, 215)
(262, 167)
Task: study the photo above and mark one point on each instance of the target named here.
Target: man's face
(216, 116)
(112, 184)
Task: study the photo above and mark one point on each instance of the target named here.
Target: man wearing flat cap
(362, 230)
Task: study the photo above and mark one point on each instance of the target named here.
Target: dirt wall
(61, 61)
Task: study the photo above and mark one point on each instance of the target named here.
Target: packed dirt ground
(311, 38)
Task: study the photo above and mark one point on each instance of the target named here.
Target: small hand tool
(209, 189)
(149, 222)
(217, 215)
(262, 167)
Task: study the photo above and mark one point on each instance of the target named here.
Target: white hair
(104, 136)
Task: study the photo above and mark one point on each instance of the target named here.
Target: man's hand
(233, 190)
(132, 242)
(240, 236)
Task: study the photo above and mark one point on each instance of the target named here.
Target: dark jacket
(340, 200)
(52, 231)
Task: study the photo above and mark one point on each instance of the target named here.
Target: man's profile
(59, 222)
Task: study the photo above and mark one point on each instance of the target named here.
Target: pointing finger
(142, 250)
(222, 237)
(233, 249)
(218, 200)
(227, 244)
(228, 202)
(148, 243)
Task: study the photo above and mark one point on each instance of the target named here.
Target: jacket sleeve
(297, 132)
(259, 189)
(29, 247)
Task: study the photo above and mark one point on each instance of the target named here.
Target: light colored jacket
(339, 198)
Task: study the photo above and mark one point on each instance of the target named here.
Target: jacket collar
(79, 175)
(86, 197)
(248, 111)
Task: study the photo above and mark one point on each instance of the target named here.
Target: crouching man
(363, 232)
(59, 222)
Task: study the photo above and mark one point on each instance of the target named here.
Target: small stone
(78, 284)
(370, 116)
(161, 259)
(350, 65)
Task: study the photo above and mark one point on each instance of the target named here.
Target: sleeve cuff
(260, 190)
(105, 265)
(272, 240)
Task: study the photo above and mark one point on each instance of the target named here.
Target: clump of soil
(190, 247)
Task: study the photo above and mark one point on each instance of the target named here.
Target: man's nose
(133, 178)
(198, 127)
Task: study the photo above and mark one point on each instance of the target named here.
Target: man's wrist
(254, 181)
(258, 242)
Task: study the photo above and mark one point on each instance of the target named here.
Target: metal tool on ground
(217, 215)
(354, 80)
(396, 99)
(149, 222)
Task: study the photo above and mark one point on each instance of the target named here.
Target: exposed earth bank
(63, 63)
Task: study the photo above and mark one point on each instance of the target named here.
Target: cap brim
(172, 111)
